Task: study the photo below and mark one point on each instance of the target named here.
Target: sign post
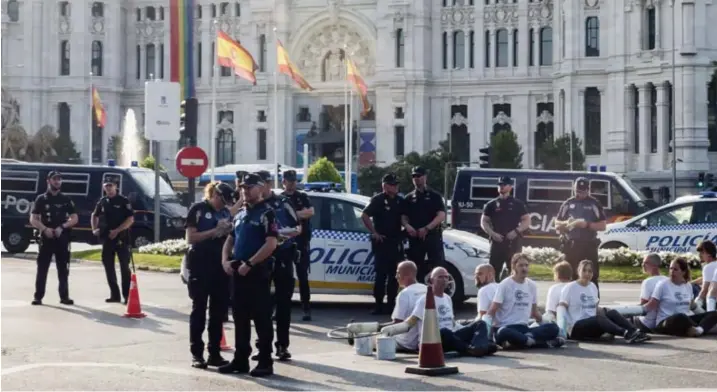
(161, 123)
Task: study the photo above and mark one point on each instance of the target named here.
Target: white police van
(675, 227)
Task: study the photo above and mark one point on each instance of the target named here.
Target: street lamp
(672, 109)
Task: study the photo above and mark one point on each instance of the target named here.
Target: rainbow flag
(181, 32)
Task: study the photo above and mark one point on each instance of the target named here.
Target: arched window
(501, 49)
(649, 40)
(546, 46)
(224, 9)
(262, 53)
(636, 118)
(237, 9)
(545, 130)
(97, 132)
(150, 13)
(225, 147)
(151, 58)
(161, 13)
(515, 48)
(592, 37)
(138, 11)
(64, 8)
(487, 48)
(98, 9)
(213, 8)
(459, 49)
(593, 132)
(96, 58)
(653, 117)
(13, 10)
(399, 48)
(63, 119)
(261, 144)
(531, 47)
(444, 46)
(198, 13)
(711, 111)
(65, 58)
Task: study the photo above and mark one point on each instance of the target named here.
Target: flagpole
(346, 121)
(276, 116)
(91, 119)
(215, 78)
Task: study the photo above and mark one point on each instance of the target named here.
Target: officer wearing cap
(53, 215)
(423, 214)
(578, 221)
(208, 224)
(504, 219)
(304, 210)
(386, 240)
(246, 256)
(111, 219)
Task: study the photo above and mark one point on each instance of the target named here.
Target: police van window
(113, 176)
(346, 216)
(600, 190)
(706, 212)
(549, 191)
(620, 204)
(318, 204)
(75, 184)
(19, 181)
(680, 215)
(485, 188)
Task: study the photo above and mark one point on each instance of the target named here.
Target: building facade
(611, 71)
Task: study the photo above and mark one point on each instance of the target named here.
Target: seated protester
(708, 255)
(406, 302)
(712, 294)
(578, 315)
(651, 266)
(672, 299)
(563, 274)
(515, 301)
(485, 281)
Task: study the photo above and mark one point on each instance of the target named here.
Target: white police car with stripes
(676, 227)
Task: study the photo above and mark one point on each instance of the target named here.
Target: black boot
(198, 362)
(262, 370)
(234, 367)
(283, 354)
(216, 360)
(307, 314)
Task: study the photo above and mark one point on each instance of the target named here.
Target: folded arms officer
(112, 216)
(504, 219)
(386, 209)
(579, 219)
(53, 215)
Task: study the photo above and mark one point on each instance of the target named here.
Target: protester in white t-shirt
(406, 302)
(712, 294)
(650, 266)
(672, 300)
(563, 274)
(580, 318)
(708, 257)
(515, 301)
(485, 281)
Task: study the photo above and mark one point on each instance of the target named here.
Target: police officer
(304, 210)
(246, 256)
(504, 219)
(386, 240)
(285, 256)
(423, 215)
(112, 216)
(208, 224)
(579, 219)
(53, 215)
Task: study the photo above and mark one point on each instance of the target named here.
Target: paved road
(89, 347)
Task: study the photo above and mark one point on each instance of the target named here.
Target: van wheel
(141, 238)
(16, 240)
(613, 245)
(454, 288)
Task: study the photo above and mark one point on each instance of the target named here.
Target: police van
(543, 191)
(342, 261)
(22, 182)
(676, 227)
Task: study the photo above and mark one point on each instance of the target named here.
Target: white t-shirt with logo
(709, 271)
(582, 301)
(551, 302)
(485, 296)
(646, 289)
(673, 299)
(517, 300)
(444, 311)
(405, 303)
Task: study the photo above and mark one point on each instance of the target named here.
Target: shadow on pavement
(166, 313)
(114, 319)
(284, 383)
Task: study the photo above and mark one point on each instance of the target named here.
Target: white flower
(621, 256)
(168, 248)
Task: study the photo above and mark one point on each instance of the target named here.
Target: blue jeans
(515, 334)
(474, 334)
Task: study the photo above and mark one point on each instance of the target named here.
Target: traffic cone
(223, 344)
(430, 354)
(134, 309)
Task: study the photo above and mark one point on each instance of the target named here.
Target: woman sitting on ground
(562, 274)
(673, 298)
(579, 317)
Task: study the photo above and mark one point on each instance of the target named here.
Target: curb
(33, 256)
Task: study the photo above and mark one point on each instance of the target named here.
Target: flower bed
(176, 247)
(622, 256)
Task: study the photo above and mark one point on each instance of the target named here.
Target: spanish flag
(99, 110)
(354, 77)
(288, 68)
(231, 54)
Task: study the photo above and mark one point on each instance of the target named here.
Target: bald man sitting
(405, 303)
(485, 282)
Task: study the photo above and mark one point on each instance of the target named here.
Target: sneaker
(480, 351)
(67, 301)
(283, 354)
(262, 371)
(556, 343)
(36, 302)
(506, 345)
(216, 360)
(635, 336)
(234, 367)
(199, 363)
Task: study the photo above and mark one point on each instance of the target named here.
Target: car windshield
(643, 203)
(145, 180)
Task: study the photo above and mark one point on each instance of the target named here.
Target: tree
(65, 149)
(324, 170)
(506, 153)
(555, 154)
(148, 162)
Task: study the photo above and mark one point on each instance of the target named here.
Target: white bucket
(385, 348)
(364, 346)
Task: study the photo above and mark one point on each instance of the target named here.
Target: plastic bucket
(385, 348)
(364, 346)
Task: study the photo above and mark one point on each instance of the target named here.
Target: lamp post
(672, 109)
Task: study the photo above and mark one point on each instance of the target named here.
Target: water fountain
(131, 143)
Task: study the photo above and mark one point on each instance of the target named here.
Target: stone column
(644, 128)
(663, 118)
(510, 48)
(603, 119)
(466, 49)
(157, 58)
(580, 131)
(658, 25)
(142, 61)
(536, 46)
(493, 49)
(451, 48)
(629, 122)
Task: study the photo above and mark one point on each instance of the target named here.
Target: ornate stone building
(434, 68)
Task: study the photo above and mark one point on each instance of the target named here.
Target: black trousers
(121, 248)
(284, 283)
(60, 248)
(418, 249)
(387, 254)
(501, 253)
(207, 288)
(303, 267)
(577, 251)
(252, 301)
(678, 324)
(609, 321)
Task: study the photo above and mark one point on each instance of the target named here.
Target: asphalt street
(89, 346)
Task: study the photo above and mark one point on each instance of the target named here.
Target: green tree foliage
(555, 154)
(114, 146)
(324, 170)
(148, 162)
(506, 152)
(65, 149)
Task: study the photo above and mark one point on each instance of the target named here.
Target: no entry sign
(191, 162)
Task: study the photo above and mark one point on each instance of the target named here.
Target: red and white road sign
(191, 162)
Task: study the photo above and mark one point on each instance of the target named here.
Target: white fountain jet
(131, 144)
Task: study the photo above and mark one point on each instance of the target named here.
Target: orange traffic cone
(223, 344)
(134, 309)
(430, 355)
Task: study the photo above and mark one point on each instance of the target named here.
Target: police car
(676, 227)
(341, 257)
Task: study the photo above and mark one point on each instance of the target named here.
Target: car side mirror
(643, 223)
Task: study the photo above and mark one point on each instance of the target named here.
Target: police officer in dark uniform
(304, 210)
(53, 215)
(111, 219)
(247, 257)
(423, 214)
(579, 219)
(504, 219)
(386, 240)
(208, 224)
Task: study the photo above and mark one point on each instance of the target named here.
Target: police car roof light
(709, 194)
(134, 164)
(603, 168)
(111, 163)
(593, 168)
